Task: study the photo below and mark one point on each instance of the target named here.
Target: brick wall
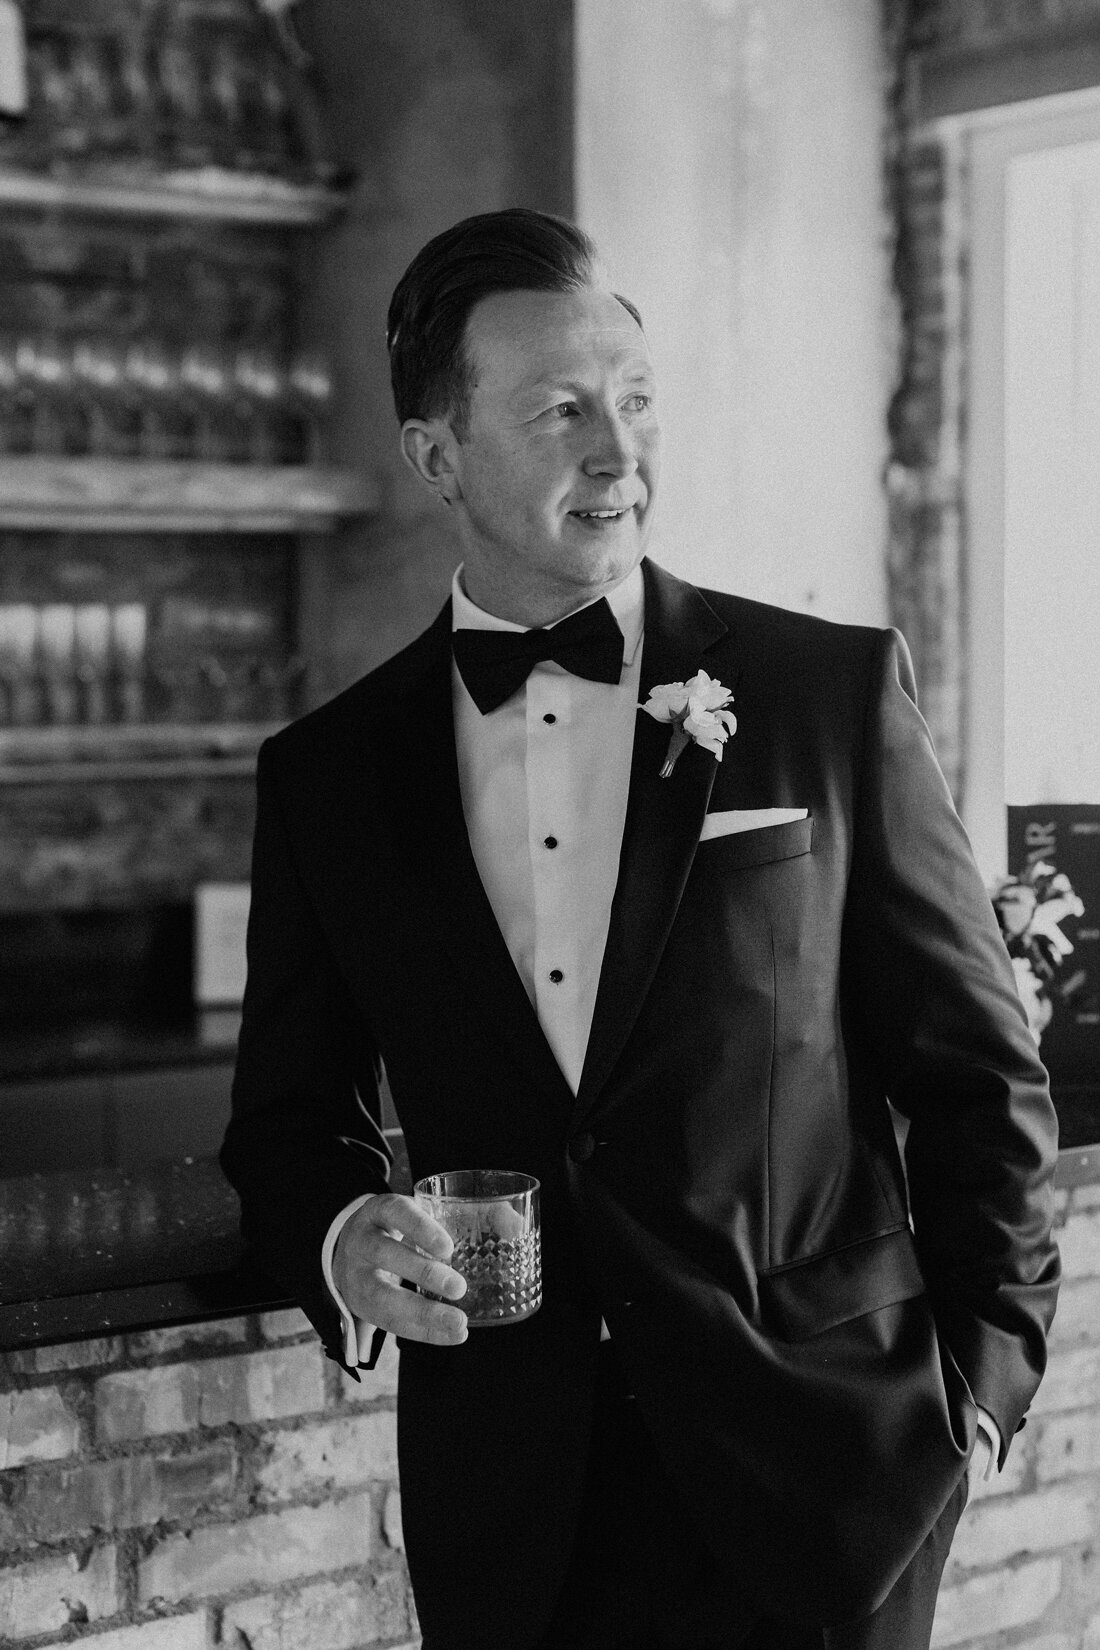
(222, 1484)
(924, 476)
(1025, 1570)
(225, 1485)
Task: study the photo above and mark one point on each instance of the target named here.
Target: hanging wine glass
(99, 370)
(95, 89)
(137, 88)
(311, 393)
(206, 372)
(44, 366)
(224, 88)
(166, 430)
(185, 136)
(16, 404)
(263, 383)
(54, 104)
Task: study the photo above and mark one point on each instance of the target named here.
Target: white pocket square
(748, 819)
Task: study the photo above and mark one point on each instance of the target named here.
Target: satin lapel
(663, 820)
(416, 743)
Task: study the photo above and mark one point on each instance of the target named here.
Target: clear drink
(493, 1217)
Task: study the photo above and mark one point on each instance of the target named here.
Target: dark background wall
(445, 108)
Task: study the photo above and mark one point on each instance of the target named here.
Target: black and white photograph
(549, 619)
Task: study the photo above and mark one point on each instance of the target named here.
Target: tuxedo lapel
(663, 820)
(414, 742)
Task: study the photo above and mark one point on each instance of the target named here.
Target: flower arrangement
(696, 712)
(1029, 909)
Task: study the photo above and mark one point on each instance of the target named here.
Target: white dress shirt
(544, 781)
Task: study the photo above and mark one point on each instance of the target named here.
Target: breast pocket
(759, 847)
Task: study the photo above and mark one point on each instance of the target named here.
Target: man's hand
(388, 1239)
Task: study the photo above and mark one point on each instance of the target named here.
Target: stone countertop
(94, 1253)
(102, 1251)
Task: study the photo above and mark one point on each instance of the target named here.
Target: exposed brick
(50, 1360)
(994, 1531)
(190, 1632)
(1068, 1445)
(36, 1424)
(254, 1386)
(1079, 1242)
(155, 1343)
(1009, 1479)
(391, 1521)
(14, 1365)
(379, 1382)
(263, 1386)
(1078, 1315)
(280, 1326)
(115, 1495)
(1051, 1641)
(261, 1552)
(137, 1403)
(326, 1615)
(994, 1603)
(1072, 1381)
(45, 1596)
(352, 1449)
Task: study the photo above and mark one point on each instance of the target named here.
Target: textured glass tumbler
(493, 1217)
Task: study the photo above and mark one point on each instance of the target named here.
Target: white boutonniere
(696, 711)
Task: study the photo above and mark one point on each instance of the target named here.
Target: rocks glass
(493, 1217)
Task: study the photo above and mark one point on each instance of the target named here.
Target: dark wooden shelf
(147, 750)
(145, 495)
(210, 193)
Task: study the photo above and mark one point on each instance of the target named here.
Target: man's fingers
(379, 1252)
(391, 1241)
(394, 1213)
(414, 1317)
(425, 1320)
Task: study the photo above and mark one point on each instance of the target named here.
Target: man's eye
(639, 403)
(564, 409)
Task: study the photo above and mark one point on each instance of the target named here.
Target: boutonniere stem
(696, 712)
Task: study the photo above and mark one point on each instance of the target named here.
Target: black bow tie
(494, 663)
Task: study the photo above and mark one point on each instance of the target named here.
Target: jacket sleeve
(937, 993)
(305, 1136)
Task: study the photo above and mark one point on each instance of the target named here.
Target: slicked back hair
(515, 250)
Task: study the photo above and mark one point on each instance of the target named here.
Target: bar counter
(114, 1213)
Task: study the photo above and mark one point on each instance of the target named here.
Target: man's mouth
(599, 515)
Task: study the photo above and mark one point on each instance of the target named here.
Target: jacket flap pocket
(809, 1296)
(759, 847)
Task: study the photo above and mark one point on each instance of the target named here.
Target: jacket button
(581, 1147)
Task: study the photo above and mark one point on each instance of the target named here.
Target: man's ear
(430, 449)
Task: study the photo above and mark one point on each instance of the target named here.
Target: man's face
(556, 474)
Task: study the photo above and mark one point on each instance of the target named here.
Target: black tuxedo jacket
(807, 1337)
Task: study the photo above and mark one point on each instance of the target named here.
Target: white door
(1032, 462)
(1052, 476)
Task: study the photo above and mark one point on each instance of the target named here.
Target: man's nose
(611, 450)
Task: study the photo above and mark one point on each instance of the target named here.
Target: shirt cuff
(357, 1331)
(988, 1426)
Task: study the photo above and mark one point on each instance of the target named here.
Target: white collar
(626, 601)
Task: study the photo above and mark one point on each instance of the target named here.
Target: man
(746, 1410)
